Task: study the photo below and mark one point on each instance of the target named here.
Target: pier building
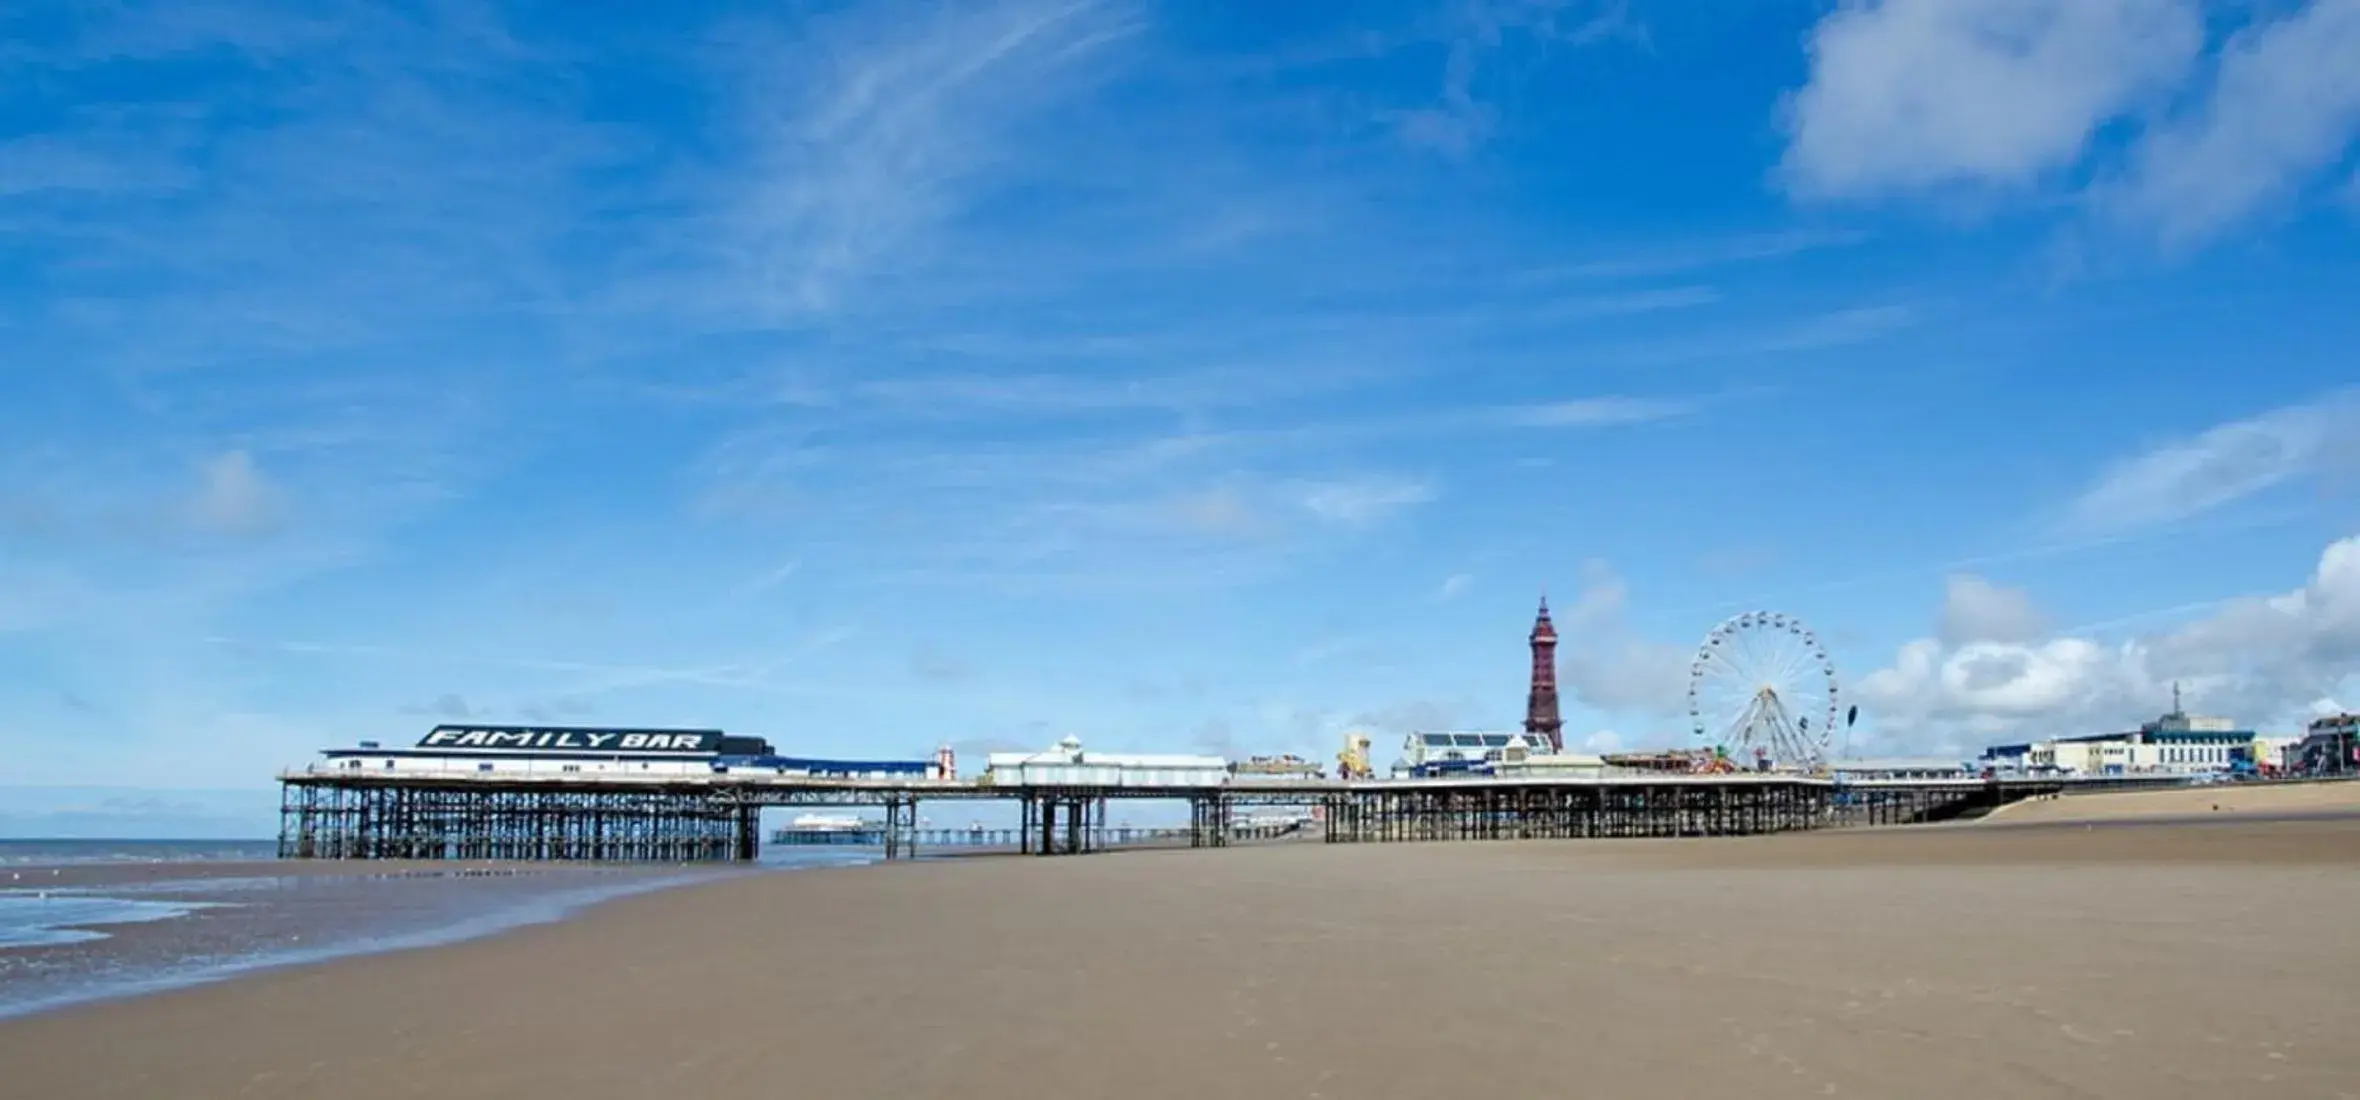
(595, 751)
(1562, 765)
(1437, 750)
(1901, 767)
(550, 750)
(1067, 764)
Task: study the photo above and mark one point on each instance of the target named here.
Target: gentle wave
(73, 853)
(45, 918)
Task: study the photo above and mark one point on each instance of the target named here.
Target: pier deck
(350, 814)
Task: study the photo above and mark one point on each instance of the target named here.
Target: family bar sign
(571, 739)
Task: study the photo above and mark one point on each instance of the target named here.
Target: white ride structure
(1763, 689)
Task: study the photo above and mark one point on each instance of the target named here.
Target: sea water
(159, 917)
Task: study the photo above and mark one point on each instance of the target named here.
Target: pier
(620, 817)
(675, 796)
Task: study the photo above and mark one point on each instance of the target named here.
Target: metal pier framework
(326, 814)
(475, 820)
(331, 815)
(1736, 807)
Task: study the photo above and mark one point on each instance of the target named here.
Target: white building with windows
(2177, 742)
(1458, 747)
(1066, 764)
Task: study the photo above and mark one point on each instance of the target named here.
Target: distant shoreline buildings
(2179, 743)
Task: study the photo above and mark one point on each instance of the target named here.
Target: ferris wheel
(1763, 690)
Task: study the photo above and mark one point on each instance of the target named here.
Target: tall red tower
(1540, 706)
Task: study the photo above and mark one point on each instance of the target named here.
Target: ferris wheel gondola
(1763, 690)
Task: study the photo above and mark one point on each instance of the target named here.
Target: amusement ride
(1762, 694)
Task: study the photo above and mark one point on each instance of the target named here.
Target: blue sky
(1182, 376)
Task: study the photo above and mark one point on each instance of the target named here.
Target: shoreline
(238, 919)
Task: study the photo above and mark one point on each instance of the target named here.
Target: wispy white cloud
(876, 128)
(1676, 259)
(1452, 586)
(235, 498)
(1366, 500)
(2222, 465)
(1461, 117)
(768, 580)
(1223, 510)
(591, 678)
(1597, 412)
(1837, 328)
(1071, 484)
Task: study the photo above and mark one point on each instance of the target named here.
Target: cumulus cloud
(1605, 664)
(2264, 660)
(1997, 96)
(1912, 94)
(1976, 610)
(2222, 465)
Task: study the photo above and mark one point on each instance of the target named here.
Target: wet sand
(2204, 960)
(88, 931)
(2216, 798)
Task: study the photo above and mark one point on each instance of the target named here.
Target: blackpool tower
(1540, 706)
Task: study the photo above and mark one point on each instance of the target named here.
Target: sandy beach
(2248, 799)
(2161, 960)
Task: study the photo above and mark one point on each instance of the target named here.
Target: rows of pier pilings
(1910, 805)
(1508, 812)
(464, 822)
(477, 821)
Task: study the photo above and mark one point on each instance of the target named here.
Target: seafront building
(2329, 746)
(2174, 743)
